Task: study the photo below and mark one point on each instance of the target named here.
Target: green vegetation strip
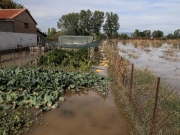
(67, 58)
(38, 87)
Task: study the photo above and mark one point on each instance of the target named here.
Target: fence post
(0, 56)
(155, 108)
(131, 82)
(14, 52)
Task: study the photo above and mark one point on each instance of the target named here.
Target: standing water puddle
(84, 113)
(162, 58)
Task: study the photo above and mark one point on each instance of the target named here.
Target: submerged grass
(140, 108)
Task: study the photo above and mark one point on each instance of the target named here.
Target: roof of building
(39, 32)
(9, 14)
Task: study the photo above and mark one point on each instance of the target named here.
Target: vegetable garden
(42, 84)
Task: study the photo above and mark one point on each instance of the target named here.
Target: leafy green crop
(67, 58)
(38, 87)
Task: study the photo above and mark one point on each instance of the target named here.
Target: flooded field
(163, 57)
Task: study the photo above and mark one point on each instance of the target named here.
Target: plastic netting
(73, 41)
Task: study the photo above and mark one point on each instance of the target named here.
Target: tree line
(95, 23)
(87, 22)
(148, 34)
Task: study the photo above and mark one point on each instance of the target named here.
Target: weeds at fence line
(148, 116)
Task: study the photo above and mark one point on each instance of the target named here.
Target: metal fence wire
(155, 103)
(20, 55)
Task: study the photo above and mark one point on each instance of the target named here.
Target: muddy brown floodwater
(84, 113)
(19, 58)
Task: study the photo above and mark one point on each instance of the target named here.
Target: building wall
(10, 40)
(6, 26)
(19, 24)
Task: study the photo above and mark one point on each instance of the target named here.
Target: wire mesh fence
(156, 104)
(20, 55)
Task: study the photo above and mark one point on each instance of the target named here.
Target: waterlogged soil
(162, 58)
(85, 113)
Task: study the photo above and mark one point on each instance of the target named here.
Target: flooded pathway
(84, 113)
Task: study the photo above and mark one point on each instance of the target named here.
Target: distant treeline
(146, 34)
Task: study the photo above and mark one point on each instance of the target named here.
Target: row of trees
(137, 33)
(175, 35)
(147, 34)
(89, 23)
(83, 23)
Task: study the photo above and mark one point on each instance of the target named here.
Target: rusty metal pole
(131, 82)
(155, 108)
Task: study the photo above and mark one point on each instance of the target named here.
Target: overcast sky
(133, 14)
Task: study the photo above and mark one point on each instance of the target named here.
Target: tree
(111, 25)
(49, 31)
(142, 34)
(69, 24)
(9, 4)
(147, 33)
(53, 31)
(85, 22)
(123, 36)
(157, 34)
(177, 33)
(136, 33)
(170, 36)
(52, 34)
(97, 21)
